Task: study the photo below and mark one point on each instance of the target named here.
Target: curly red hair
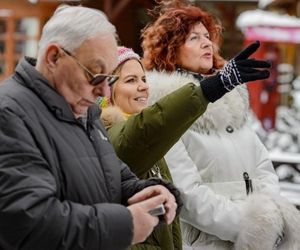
(162, 38)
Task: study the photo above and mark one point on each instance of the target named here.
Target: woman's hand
(239, 70)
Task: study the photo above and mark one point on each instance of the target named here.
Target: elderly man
(61, 184)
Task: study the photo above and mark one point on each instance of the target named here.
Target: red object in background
(264, 97)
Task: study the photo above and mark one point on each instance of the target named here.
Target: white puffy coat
(207, 164)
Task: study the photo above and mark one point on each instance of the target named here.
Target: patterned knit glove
(237, 71)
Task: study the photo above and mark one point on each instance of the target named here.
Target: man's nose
(102, 89)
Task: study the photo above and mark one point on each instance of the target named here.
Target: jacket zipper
(155, 170)
(248, 182)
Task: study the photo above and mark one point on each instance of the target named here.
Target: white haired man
(61, 184)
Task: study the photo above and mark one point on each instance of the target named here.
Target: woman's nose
(206, 42)
(142, 86)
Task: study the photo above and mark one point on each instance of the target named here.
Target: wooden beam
(10, 46)
(122, 4)
(107, 7)
(24, 8)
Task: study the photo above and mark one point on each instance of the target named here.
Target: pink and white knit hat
(125, 54)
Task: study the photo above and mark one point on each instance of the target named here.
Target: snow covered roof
(269, 26)
(264, 3)
(266, 18)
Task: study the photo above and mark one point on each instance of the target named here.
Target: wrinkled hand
(142, 202)
(241, 69)
(152, 191)
(168, 185)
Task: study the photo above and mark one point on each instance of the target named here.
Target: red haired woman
(219, 160)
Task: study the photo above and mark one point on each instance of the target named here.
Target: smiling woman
(130, 92)
(137, 131)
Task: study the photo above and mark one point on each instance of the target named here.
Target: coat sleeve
(31, 215)
(205, 210)
(146, 137)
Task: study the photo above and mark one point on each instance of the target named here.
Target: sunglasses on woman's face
(94, 79)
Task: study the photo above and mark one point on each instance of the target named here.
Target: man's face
(97, 55)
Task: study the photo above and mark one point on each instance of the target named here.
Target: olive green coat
(143, 139)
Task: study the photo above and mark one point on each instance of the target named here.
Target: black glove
(237, 71)
(157, 181)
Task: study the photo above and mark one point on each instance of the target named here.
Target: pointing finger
(248, 51)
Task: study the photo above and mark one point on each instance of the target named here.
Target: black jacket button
(229, 129)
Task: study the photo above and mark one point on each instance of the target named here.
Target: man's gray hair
(70, 26)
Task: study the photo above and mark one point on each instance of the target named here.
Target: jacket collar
(35, 81)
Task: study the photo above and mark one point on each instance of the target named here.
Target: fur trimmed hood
(231, 109)
(111, 115)
(267, 221)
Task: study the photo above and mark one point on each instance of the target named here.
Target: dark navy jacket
(61, 185)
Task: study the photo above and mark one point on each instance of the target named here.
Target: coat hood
(111, 115)
(269, 222)
(231, 109)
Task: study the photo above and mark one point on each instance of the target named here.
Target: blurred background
(275, 102)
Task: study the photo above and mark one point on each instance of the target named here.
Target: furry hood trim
(231, 109)
(111, 115)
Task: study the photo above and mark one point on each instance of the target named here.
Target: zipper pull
(278, 241)
(155, 170)
(158, 171)
(248, 182)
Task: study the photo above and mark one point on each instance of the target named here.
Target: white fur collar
(231, 109)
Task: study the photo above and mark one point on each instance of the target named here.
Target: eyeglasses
(97, 78)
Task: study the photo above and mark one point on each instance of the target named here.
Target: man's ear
(52, 54)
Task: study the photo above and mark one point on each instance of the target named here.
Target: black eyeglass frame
(96, 79)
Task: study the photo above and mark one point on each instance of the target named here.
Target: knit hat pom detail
(125, 54)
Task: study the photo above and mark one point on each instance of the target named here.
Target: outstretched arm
(146, 137)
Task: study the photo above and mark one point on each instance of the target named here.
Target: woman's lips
(141, 99)
(207, 55)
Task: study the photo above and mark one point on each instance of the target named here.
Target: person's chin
(142, 106)
(80, 111)
(139, 108)
(206, 69)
